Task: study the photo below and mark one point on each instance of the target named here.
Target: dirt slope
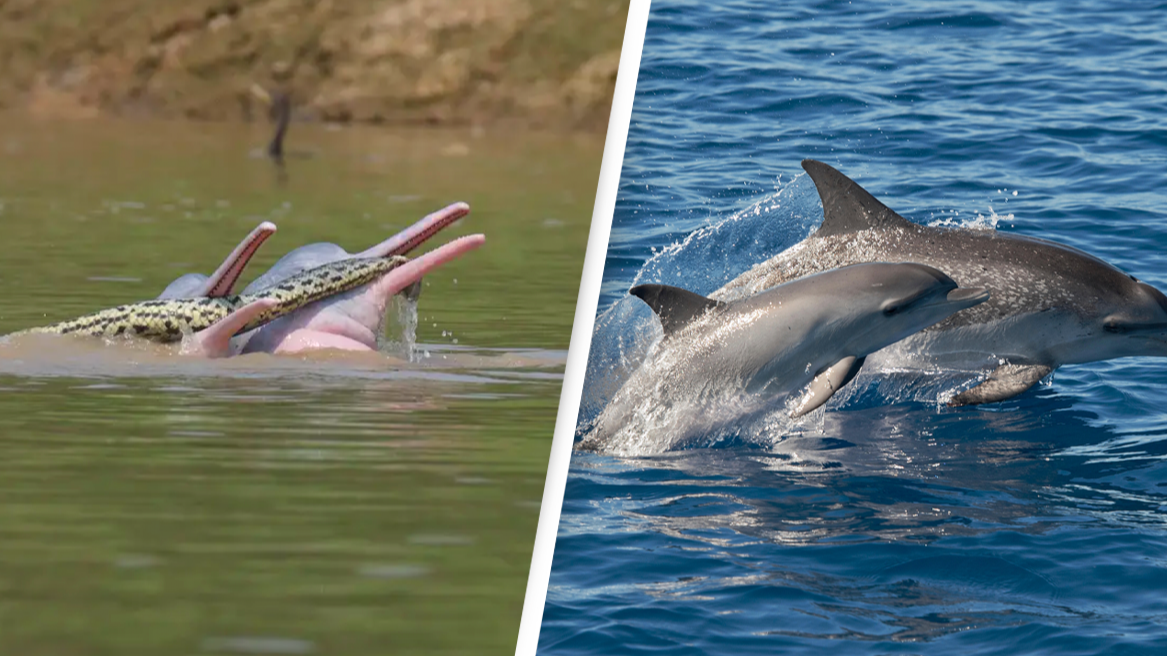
(544, 63)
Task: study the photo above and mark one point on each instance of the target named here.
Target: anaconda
(167, 320)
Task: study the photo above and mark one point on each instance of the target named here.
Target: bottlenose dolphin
(813, 332)
(1051, 304)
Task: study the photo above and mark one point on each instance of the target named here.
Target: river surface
(889, 524)
(318, 504)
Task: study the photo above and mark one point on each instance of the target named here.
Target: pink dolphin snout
(354, 324)
(324, 333)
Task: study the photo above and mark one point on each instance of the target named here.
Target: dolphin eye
(890, 310)
(1113, 327)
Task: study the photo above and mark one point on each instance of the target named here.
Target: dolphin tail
(676, 307)
(1005, 382)
(847, 207)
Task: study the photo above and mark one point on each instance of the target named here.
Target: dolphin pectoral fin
(676, 307)
(847, 207)
(1006, 381)
(215, 341)
(826, 383)
(222, 281)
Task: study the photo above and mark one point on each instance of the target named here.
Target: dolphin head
(904, 298)
(185, 286)
(1134, 324)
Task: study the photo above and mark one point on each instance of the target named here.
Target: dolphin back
(185, 286)
(297, 261)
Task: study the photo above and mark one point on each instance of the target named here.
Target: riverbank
(539, 63)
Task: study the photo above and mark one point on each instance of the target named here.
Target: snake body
(167, 320)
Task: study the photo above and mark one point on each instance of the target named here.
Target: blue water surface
(885, 525)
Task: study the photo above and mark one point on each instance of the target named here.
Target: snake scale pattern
(167, 320)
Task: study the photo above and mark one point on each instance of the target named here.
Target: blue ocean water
(889, 524)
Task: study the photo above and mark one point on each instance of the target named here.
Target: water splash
(702, 261)
(978, 222)
(404, 313)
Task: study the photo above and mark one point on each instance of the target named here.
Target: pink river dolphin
(348, 321)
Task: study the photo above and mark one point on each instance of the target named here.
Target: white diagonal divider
(581, 332)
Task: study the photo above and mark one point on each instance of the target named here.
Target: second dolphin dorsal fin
(847, 207)
(676, 307)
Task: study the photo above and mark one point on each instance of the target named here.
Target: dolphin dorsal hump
(676, 307)
(847, 207)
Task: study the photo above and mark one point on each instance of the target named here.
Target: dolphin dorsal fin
(847, 207)
(676, 307)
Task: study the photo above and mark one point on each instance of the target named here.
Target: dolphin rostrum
(222, 281)
(811, 333)
(1052, 304)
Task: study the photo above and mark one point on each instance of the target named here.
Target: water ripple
(889, 524)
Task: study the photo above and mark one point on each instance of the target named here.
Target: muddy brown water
(319, 504)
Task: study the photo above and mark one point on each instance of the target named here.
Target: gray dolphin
(812, 333)
(1051, 304)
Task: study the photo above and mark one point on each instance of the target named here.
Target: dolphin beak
(967, 297)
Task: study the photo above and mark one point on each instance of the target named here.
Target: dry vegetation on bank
(544, 63)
